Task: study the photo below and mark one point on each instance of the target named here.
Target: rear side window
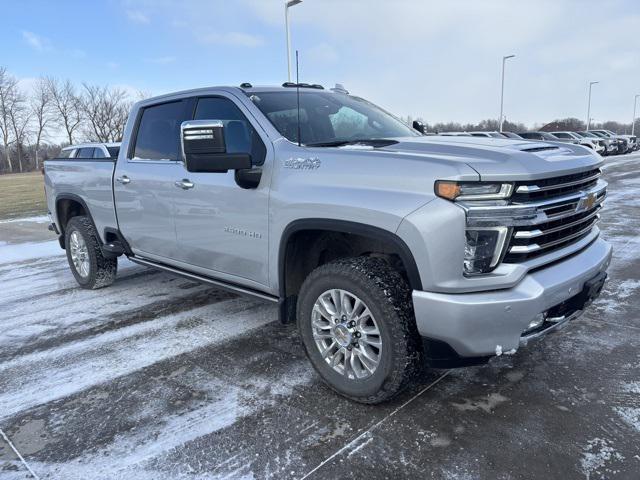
(158, 136)
(85, 153)
(239, 134)
(98, 153)
(67, 153)
(113, 151)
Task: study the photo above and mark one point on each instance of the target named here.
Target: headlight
(473, 190)
(483, 249)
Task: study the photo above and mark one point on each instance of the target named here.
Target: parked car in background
(511, 135)
(472, 248)
(595, 138)
(621, 143)
(91, 150)
(632, 141)
(587, 142)
(487, 134)
(538, 136)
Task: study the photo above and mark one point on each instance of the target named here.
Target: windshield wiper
(373, 142)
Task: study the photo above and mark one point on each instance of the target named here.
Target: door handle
(123, 180)
(184, 184)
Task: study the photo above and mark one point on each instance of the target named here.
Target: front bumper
(487, 323)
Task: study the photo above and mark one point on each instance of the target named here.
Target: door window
(158, 136)
(98, 153)
(85, 153)
(239, 134)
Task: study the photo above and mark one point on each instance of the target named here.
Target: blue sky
(438, 60)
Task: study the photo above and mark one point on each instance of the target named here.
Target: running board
(200, 278)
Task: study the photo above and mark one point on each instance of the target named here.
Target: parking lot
(157, 376)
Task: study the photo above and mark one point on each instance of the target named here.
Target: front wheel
(89, 266)
(355, 317)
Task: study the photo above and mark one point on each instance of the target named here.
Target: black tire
(388, 297)
(102, 270)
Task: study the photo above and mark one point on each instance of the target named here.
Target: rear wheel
(89, 266)
(356, 321)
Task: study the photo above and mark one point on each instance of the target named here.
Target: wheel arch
(69, 205)
(327, 230)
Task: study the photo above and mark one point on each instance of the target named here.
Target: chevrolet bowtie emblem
(586, 202)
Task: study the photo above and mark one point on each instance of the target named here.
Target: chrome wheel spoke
(327, 351)
(351, 349)
(373, 341)
(79, 254)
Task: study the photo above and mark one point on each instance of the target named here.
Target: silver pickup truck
(391, 249)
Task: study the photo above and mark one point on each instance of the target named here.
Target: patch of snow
(29, 251)
(36, 219)
(630, 415)
(631, 387)
(596, 455)
(498, 350)
(486, 404)
(48, 375)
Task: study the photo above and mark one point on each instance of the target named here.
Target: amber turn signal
(448, 190)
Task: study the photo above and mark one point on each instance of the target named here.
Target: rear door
(144, 181)
(220, 226)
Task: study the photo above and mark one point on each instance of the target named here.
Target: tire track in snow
(42, 377)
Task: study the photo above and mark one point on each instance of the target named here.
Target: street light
(504, 60)
(288, 4)
(591, 84)
(633, 124)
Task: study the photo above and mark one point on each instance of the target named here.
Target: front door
(144, 187)
(220, 226)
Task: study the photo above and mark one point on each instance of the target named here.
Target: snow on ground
(36, 219)
(29, 251)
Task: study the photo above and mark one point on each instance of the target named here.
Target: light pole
(504, 60)
(289, 3)
(591, 84)
(633, 124)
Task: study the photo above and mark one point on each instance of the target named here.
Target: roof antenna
(298, 97)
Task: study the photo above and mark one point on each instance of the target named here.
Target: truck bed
(87, 180)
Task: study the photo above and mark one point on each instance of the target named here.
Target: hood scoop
(538, 149)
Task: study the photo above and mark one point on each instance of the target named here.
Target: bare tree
(106, 110)
(8, 87)
(19, 115)
(40, 107)
(67, 105)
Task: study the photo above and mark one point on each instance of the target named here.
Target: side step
(203, 279)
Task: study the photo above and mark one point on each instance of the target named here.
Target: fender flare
(75, 198)
(344, 226)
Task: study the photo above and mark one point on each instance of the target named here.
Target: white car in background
(487, 134)
(592, 143)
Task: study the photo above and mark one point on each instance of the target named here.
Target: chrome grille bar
(557, 186)
(526, 234)
(534, 247)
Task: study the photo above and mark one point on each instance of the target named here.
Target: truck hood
(504, 160)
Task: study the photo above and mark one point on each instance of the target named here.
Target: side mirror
(204, 148)
(419, 126)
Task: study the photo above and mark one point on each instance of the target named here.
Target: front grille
(544, 216)
(557, 225)
(554, 187)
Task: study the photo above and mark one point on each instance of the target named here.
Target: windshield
(327, 118)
